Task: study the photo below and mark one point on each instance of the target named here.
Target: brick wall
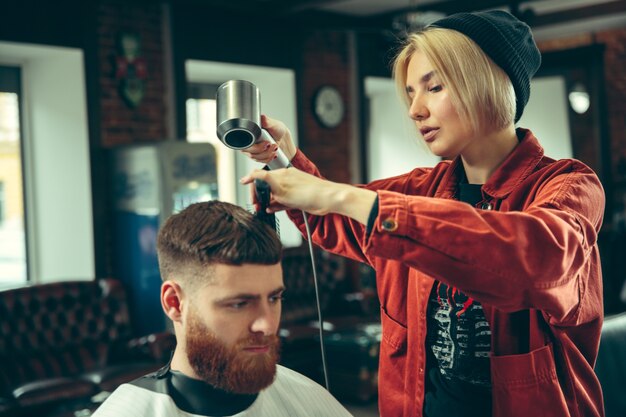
(325, 61)
(121, 123)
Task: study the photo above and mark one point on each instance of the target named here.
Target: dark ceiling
(302, 9)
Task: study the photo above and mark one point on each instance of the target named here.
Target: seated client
(222, 288)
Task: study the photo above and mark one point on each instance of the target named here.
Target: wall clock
(328, 106)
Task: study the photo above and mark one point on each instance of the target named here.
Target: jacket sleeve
(337, 234)
(539, 257)
(342, 235)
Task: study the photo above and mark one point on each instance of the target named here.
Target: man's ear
(171, 300)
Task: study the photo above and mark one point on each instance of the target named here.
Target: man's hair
(480, 91)
(214, 232)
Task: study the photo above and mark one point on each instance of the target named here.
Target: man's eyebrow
(278, 290)
(248, 296)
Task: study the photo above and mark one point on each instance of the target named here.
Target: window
(201, 127)
(12, 225)
(2, 203)
(54, 149)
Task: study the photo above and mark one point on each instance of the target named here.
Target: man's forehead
(252, 278)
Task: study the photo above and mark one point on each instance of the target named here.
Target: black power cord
(262, 192)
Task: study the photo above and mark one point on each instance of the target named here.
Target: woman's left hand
(292, 188)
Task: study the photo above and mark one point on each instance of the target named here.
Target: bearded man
(222, 288)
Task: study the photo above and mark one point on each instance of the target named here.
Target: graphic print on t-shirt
(459, 335)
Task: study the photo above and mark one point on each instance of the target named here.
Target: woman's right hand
(264, 152)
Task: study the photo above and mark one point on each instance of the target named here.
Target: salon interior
(108, 126)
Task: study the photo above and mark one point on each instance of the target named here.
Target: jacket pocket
(527, 385)
(394, 333)
(392, 364)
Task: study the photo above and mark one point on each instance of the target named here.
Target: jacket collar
(520, 163)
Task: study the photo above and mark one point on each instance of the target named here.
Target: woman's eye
(435, 89)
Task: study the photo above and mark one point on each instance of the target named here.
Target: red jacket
(527, 253)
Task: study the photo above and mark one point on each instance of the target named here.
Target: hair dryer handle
(281, 160)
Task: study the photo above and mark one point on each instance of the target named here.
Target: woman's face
(445, 134)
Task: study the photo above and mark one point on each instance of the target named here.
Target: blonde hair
(480, 91)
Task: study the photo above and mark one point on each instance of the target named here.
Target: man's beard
(230, 369)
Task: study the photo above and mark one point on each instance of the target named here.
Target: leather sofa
(63, 343)
(350, 319)
(611, 365)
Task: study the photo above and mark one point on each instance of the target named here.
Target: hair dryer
(239, 119)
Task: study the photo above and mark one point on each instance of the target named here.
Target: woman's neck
(487, 152)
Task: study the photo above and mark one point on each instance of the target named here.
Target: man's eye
(276, 299)
(239, 305)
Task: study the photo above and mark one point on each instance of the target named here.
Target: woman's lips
(429, 134)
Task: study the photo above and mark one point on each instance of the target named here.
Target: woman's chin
(436, 150)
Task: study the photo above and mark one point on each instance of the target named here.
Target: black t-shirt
(458, 343)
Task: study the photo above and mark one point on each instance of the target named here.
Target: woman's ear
(171, 300)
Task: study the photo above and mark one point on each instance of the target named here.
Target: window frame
(11, 82)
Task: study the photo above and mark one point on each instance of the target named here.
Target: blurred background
(107, 126)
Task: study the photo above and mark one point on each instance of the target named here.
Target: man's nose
(266, 321)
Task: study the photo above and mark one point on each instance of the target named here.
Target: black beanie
(507, 41)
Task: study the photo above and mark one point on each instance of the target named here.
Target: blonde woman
(488, 270)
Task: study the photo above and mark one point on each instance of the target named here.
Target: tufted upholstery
(299, 305)
(68, 340)
(299, 347)
(352, 354)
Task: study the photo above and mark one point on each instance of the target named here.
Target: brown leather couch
(350, 313)
(62, 343)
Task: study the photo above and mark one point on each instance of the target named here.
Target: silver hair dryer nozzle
(238, 114)
(238, 105)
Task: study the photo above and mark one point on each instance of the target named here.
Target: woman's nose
(417, 109)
